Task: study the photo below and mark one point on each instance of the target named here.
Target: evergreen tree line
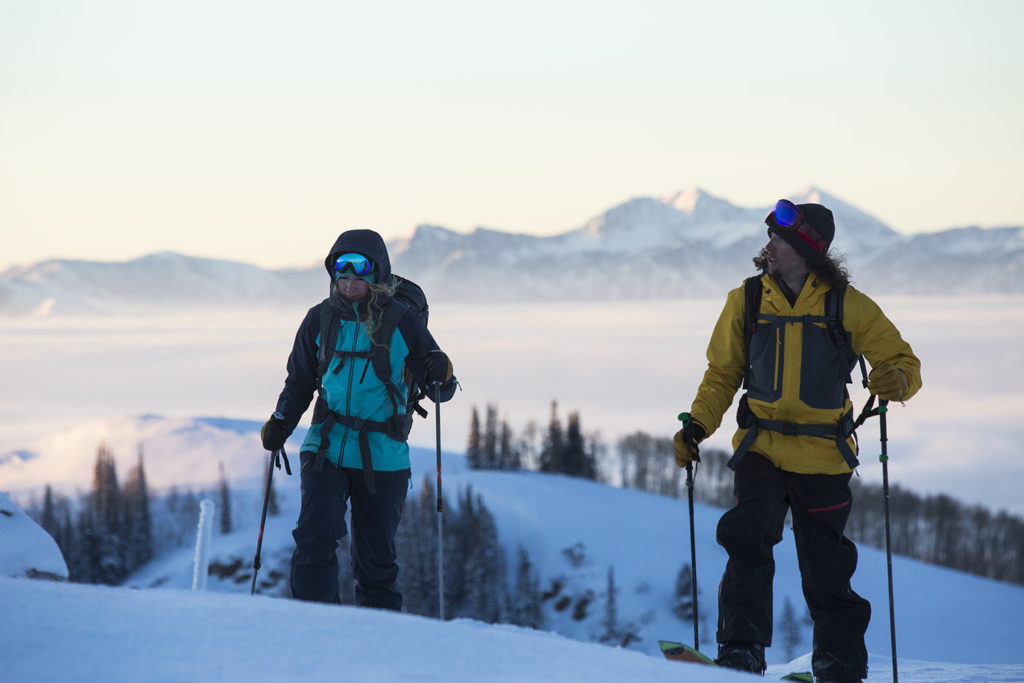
(562, 449)
(475, 563)
(933, 528)
(492, 448)
(112, 530)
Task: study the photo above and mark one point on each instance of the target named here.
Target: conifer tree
(508, 453)
(100, 526)
(552, 450)
(106, 495)
(611, 613)
(683, 606)
(473, 445)
(489, 457)
(55, 519)
(790, 628)
(83, 552)
(524, 604)
(138, 524)
(577, 462)
(48, 518)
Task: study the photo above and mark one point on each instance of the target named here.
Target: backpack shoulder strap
(751, 307)
(381, 353)
(834, 300)
(329, 324)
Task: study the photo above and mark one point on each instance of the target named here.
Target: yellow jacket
(787, 390)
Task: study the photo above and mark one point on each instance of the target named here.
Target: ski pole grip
(684, 418)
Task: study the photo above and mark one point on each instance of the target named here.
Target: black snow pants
(820, 504)
(321, 524)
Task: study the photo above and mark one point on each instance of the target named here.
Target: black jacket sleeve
(300, 384)
(421, 343)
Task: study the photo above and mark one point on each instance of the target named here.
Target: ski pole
(884, 458)
(274, 459)
(440, 505)
(685, 419)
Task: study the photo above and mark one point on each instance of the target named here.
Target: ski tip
(804, 676)
(683, 653)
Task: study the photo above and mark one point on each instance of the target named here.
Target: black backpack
(833, 322)
(408, 298)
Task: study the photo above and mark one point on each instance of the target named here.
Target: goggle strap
(801, 228)
(810, 236)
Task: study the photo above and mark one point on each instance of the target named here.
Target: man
(355, 451)
(793, 449)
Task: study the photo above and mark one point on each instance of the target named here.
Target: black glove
(438, 367)
(273, 433)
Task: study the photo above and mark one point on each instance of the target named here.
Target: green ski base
(678, 652)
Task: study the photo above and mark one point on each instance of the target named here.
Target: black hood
(365, 242)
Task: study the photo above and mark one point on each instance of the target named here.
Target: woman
(355, 449)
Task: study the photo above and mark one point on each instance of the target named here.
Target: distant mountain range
(690, 244)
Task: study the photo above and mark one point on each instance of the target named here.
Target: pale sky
(258, 131)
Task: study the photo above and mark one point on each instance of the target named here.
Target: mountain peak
(815, 195)
(694, 199)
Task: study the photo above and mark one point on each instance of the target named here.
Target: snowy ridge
(686, 245)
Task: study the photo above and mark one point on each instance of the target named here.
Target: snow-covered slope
(27, 550)
(688, 244)
(942, 616)
(68, 632)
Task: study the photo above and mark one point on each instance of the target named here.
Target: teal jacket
(350, 387)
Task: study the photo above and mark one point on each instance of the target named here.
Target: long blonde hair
(375, 308)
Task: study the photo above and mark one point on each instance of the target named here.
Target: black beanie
(820, 219)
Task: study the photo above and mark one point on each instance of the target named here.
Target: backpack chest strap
(805, 319)
(343, 355)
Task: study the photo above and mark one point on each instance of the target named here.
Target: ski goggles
(788, 217)
(354, 263)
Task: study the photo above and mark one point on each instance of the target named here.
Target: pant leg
(375, 521)
(821, 506)
(748, 532)
(321, 523)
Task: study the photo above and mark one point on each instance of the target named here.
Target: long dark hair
(828, 267)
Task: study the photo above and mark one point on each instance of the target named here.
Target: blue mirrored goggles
(787, 214)
(353, 263)
(789, 217)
